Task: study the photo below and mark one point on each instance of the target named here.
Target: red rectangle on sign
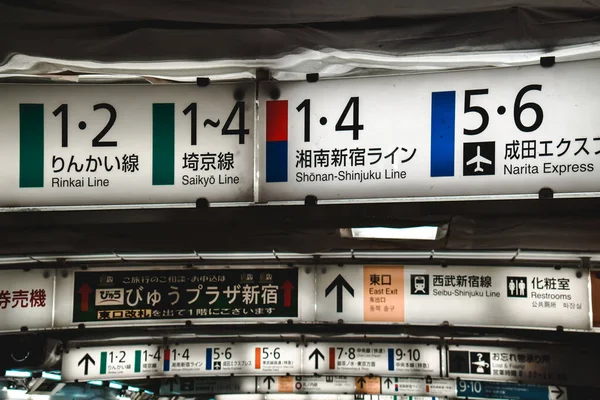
(277, 121)
(332, 358)
(257, 356)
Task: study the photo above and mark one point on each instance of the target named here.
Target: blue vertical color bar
(390, 359)
(443, 110)
(208, 359)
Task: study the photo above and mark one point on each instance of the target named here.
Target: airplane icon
(478, 160)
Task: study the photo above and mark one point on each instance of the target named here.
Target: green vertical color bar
(163, 144)
(31, 145)
(138, 361)
(103, 363)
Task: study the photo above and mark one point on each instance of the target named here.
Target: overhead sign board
(356, 359)
(483, 132)
(475, 296)
(156, 295)
(126, 144)
(553, 366)
(111, 362)
(226, 359)
(508, 391)
(26, 299)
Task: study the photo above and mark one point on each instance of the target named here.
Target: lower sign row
(311, 384)
(342, 359)
(372, 385)
(424, 295)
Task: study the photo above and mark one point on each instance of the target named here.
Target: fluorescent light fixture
(411, 233)
(148, 392)
(114, 385)
(17, 374)
(133, 389)
(95, 383)
(49, 375)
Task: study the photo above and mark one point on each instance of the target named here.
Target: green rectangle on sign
(163, 144)
(138, 361)
(103, 357)
(31, 145)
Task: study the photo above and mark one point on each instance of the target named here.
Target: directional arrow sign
(287, 288)
(85, 292)
(86, 360)
(111, 362)
(316, 354)
(268, 380)
(361, 381)
(339, 283)
(557, 393)
(388, 382)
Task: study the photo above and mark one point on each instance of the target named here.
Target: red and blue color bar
(167, 360)
(277, 141)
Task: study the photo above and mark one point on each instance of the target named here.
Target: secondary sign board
(553, 366)
(392, 359)
(126, 144)
(331, 384)
(26, 299)
(509, 391)
(111, 362)
(162, 295)
(484, 132)
(217, 385)
(475, 296)
(358, 385)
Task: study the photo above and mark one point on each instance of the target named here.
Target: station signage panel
(26, 299)
(552, 365)
(475, 296)
(160, 295)
(68, 145)
(464, 133)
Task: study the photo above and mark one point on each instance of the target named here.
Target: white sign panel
(552, 366)
(371, 358)
(484, 132)
(239, 359)
(26, 299)
(475, 296)
(85, 145)
(111, 362)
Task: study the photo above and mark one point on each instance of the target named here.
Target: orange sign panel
(368, 385)
(383, 293)
(285, 384)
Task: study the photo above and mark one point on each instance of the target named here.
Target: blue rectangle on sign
(277, 162)
(390, 359)
(208, 359)
(443, 110)
(504, 390)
